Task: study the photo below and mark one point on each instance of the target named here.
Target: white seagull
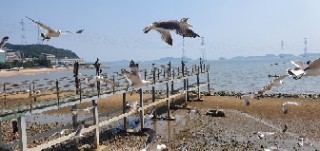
(278, 81)
(85, 111)
(164, 27)
(261, 135)
(133, 106)
(286, 104)
(309, 68)
(134, 77)
(51, 32)
(3, 41)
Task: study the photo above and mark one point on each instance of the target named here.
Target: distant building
(48, 56)
(2, 56)
(69, 61)
(12, 56)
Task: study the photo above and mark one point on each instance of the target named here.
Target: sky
(113, 29)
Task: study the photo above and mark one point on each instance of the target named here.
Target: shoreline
(4, 73)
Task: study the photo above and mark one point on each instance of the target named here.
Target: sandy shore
(236, 131)
(4, 73)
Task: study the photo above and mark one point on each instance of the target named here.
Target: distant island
(270, 56)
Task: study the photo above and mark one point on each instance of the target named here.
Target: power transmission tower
(203, 50)
(39, 40)
(305, 47)
(184, 53)
(282, 49)
(23, 35)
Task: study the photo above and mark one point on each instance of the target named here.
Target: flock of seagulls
(164, 27)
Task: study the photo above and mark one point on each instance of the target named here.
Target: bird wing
(42, 25)
(299, 64)
(315, 64)
(165, 36)
(133, 79)
(188, 33)
(3, 41)
(107, 81)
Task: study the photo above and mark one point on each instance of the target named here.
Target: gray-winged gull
(134, 77)
(309, 68)
(3, 41)
(51, 32)
(164, 27)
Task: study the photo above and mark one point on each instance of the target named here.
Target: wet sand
(235, 131)
(4, 73)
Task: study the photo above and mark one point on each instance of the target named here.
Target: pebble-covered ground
(236, 131)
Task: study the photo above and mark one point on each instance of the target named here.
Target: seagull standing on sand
(261, 135)
(286, 104)
(51, 32)
(134, 77)
(309, 68)
(3, 41)
(164, 27)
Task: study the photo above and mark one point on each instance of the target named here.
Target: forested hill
(34, 50)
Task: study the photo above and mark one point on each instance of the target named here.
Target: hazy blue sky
(113, 28)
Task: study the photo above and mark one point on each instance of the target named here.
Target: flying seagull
(80, 31)
(51, 32)
(309, 68)
(286, 104)
(278, 81)
(3, 41)
(164, 27)
(133, 77)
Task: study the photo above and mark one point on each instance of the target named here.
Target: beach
(200, 131)
(20, 72)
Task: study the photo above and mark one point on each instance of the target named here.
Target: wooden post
(113, 87)
(187, 95)
(186, 91)
(142, 110)
(208, 81)
(198, 85)
(22, 133)
(153, 90)
(124, 103)
(95, 122)
(168, 100)
(178, 71)
(34, 92)
(1, 137)
(74, 117)
(30, 97)
(145, 74)
(98, 88)
(158, 73)
(182, 68)
(80, 90)
(58, 91)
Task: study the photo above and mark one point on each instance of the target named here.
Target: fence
(171, 76)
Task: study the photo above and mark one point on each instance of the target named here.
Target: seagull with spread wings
(164, 27)
(309, 68)
(278, 81)
(3, 41)
(133, 77)
(51, 32)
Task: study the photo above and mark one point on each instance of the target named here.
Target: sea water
(227, 75)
